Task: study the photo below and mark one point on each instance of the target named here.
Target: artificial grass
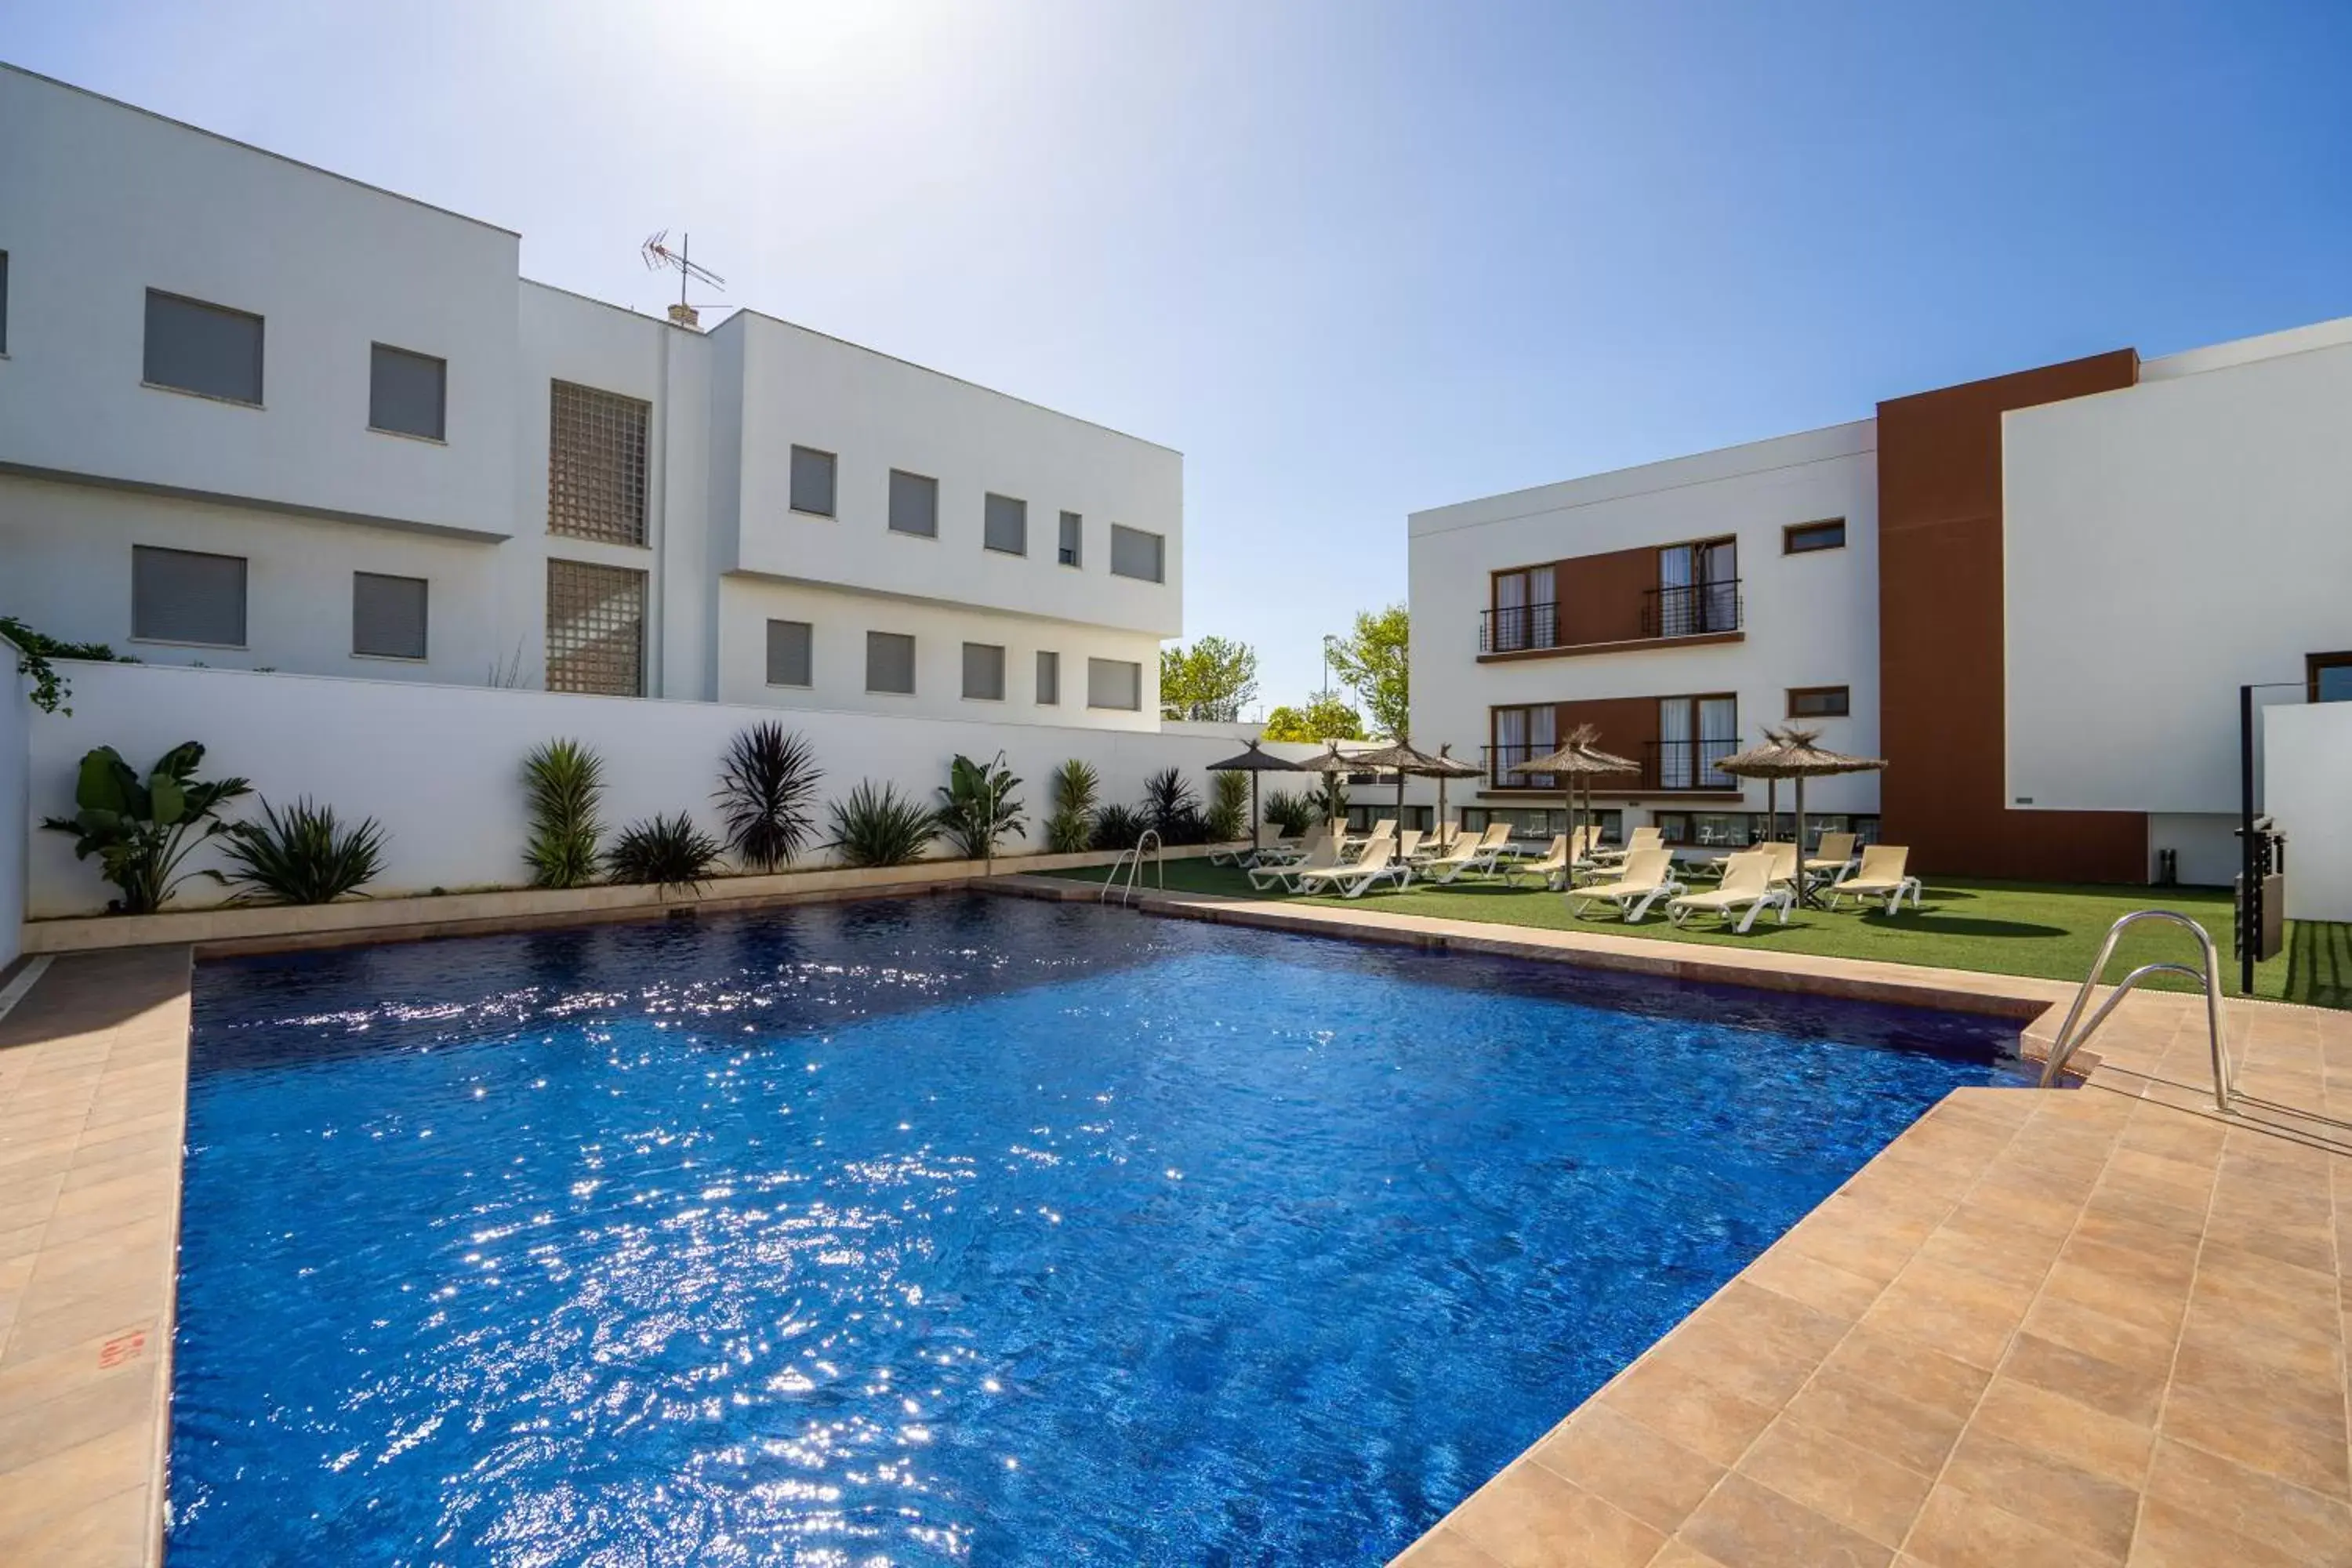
(2052, 930)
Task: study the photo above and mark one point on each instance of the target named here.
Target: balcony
(1692, 610)
(1667, 767)
(1710, 610)
(1514, 628)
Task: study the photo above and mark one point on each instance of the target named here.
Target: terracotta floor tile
(2158, 1314)
(1744, 1525)
(1625, 1464)
(1871, 1417)
(1965, 1315)
(2032, 1417)
(2292, 1450)
(2065, 1498)
(106, 1532)
(2171, 1536)
(1823, 1287)
(1917, 1372)
(2129, 1393)
(30, 1433)
(1960, 1529)
(1443, 1547)
(2230, 1376)
(1528, 1517)
(2303, 1525)
(1856, 1488)
(1677, 1403)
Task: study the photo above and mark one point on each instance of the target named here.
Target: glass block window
(209, 350)
(1137, 554)
(812, 480)
(185, 595)
(890, 662)
(788, 656)
(1074, 539)
(1049, 679)
(914, 504)
(1007, 525)
(983, 672)
(407, 393)
(595, 629)
(387, 615)
(597, 465)
(1114, 683)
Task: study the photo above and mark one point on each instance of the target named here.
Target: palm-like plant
(1294, 814)
(143, 829)
(665, 852)
(879, 827)
(1118, 827)
(303, 856)
(1228, 817)
(977, 807)
(1173, 809)
(767, 795)
(563, 781)
(1077, 787)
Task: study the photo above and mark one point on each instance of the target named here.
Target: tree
(1211, 682)
(1325, 718)
(1371, 661)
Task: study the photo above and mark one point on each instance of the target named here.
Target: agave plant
(767, 795)
(303, 856)
(563, 781)
(1077, 787)
(664, 852)
(978, 808)
(1118, 827)
(879, 827)
(1228, 814)
(1294, 814)
(143, 829)
(1171, 807)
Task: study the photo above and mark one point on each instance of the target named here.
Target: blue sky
(1353, 258)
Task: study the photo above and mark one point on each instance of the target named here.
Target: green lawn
(2052, 930)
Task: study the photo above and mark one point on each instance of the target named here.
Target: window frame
(244, 598)
(556, 565)
(998, 648)
(793, 481)
(1791, 533)
(808, 655)
(990, 545)
(890, 502)
(1070, 542)
(1844, 708)
(260, 351)
(440, 436)
(1135, 665)
(587, 403)
(914, 654)
(425, 626)
(2313, 663)
(1048, 660)
(1160, 542)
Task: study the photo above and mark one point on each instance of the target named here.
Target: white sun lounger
(1881, 876)
(1748, 891)
(1379, 864)
(1469, 855)
(1555, 864)
(1321, 854)
(1648, 877)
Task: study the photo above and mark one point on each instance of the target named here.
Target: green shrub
(141, 829)
(563, 781)
(1118, 827)
(304, 857)
(34, 651)
(978, 809)
(664, 852)
(879, 827)
(1228, 815)
(1294, 814)
(1171, 808)
(767, 796)
(1077, 787)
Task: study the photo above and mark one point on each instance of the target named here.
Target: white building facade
(256, 416)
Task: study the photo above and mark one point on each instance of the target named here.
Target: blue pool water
(956, 1230)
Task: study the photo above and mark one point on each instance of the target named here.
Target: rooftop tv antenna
(658, 255)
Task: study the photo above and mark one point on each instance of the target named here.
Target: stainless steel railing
(2070, 1039)
(1132, 862)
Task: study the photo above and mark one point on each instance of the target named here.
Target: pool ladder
(1132, 862)
(2208, 977)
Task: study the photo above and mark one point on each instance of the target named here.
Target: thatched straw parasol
(1578, 758)
(1794, 753)
(1403, 759)
(1254, 761)
(1331, 765)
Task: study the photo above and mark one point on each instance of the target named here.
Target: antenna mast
(657, 255)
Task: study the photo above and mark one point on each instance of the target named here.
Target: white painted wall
(2307, 789)
(440, 766)
(2166, 543)
(1811, 619)
(16, 714)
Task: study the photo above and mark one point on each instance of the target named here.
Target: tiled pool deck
(2101, 1327)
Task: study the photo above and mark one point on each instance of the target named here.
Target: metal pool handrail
(2069, 1039)
(1131, 861)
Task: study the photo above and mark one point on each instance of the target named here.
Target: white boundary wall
(2307, 789)
(441, 766)
(16, 821)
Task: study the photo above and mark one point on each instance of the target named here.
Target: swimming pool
(955, 1230)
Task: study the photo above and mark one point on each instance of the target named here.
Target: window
(180, 595)
(1006, 526)
(788, 658)
(1802, 538)
(890, 663)
(914, 504)
(208, 349)
(2329, 676)
(596, 464)
(983, 672)
(813, 482)
(1049, 679)
(1134, 553)
(1526, 611)
(1699, 590)
(1074, 540)
(595, 629)
(1520, 734)
(387, 615)
(1114, 683)
(407, 393)
(1817, 703)
(1693, 734)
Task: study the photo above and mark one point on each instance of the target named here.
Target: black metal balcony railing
(1667, 766)
(1516, 626)
(1691, 610)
